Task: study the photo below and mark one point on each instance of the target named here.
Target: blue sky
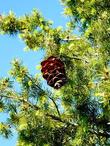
(12, 47)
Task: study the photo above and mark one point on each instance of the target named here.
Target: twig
(34, 106)
(55, 118)
(74, 57)
(55, 106)
(70, 39)
(77, 58)
(48, 96)
(61, 120)
(21, 100)
(101, 133)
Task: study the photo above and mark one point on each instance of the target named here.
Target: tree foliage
(78, 114)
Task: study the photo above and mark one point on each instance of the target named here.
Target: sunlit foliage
(78, 114)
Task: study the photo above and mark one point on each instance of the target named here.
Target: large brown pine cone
(54, 72)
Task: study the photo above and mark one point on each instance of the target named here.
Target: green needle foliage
(78, 114)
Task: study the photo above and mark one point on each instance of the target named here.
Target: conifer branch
(32, 106)
(101, 133)
(55, 106)
(69, 39)
(38, 87)
(21, 100)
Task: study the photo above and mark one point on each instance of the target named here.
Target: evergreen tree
(78, 113)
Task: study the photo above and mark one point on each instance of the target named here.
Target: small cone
(54, 72)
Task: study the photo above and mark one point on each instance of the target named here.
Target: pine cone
(54, 72)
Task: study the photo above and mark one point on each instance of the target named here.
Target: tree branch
(55, 106)
(68, 39)
(38, 87)
(101, 133)
(56, 118)
(21, 100)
